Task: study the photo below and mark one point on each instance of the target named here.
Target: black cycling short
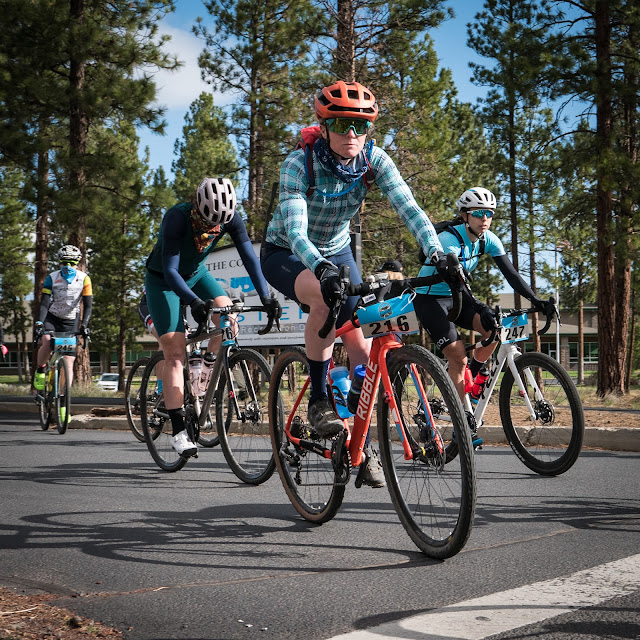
(60, 325)
(432, 312)
(281, 267)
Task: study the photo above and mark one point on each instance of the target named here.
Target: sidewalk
(609, 438)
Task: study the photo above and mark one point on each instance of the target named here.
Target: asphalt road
(198, 555)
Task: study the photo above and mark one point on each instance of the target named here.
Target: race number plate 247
(514, 329)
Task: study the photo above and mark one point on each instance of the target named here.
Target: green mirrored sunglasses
(342, 125)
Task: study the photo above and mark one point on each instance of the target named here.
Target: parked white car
(108, 381)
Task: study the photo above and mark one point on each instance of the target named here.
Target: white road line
(499, 612)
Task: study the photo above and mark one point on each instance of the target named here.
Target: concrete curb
(609, 438)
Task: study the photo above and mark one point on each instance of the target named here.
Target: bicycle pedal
(360, 475)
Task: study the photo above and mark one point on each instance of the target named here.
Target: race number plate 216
(404, 323)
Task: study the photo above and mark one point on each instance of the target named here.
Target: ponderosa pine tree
(205, 148)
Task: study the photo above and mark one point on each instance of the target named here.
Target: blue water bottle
(340, 385)
(356, 387)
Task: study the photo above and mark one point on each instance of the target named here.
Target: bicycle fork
(424, 420)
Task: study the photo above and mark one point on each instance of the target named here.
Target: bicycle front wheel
(44, 401)
(132, 398)
(62, 396)
(548, 442)
(154, 418)
(308, 478)
(435, 500)
(242, 416)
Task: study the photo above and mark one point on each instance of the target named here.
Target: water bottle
(207, 368)
(479, 382)
(468, 380)
(195, 369)
(356, 387)
(340, 386)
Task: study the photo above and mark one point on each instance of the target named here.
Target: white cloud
(178, 89)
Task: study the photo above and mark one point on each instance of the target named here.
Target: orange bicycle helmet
(346, 100)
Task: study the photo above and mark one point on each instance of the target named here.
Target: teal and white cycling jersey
(468, 258)
(317, 227)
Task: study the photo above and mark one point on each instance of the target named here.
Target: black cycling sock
(177, 420)
(475, 366)
(318, 374)
(41, 369)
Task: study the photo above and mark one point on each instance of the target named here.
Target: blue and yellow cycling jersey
(468, 258)
(66, 294)
(317, 227)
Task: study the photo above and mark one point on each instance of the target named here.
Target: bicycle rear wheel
(44, 412)
(208, 436)
(62, 396)
(308, 478)
(550, 444)
(132, 398)
(242, 416)
(154, 418)
(435, 501)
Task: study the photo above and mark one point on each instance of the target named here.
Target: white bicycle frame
(508, 352)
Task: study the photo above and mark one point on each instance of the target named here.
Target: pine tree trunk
(42, 229)
(609, 379)
(345, 53)
(581, 343)
(78, 127)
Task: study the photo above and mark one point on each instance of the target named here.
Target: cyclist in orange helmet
(308, 239)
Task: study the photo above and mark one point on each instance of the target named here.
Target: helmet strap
(470, 231)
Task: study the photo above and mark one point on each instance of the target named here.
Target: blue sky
(179, 89)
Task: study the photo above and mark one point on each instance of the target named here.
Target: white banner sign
(226, 267)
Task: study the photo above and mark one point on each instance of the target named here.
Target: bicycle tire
(132, 399)
(434, 501)
(156, 425)
(312, 488)
(543, 446)
(208, 436)
(43, 399)
(244, 436)
(62, 396)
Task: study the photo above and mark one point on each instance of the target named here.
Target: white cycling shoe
(183, 445)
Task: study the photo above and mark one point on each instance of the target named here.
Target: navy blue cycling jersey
(177, 258)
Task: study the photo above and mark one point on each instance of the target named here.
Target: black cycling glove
(272, 307)
(38, 330)
(329, 276)
(487, 317)
(443, 267)
(198, 310)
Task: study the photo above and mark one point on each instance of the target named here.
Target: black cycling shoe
(323, 418)
(476, 440)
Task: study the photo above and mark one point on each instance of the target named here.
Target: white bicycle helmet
(69, 253)
(476, 198)
(216, 200)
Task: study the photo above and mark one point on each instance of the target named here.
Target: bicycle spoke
(308, 478)
(156, 425)
(542, 416)
(435, 501)
(242, 416)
